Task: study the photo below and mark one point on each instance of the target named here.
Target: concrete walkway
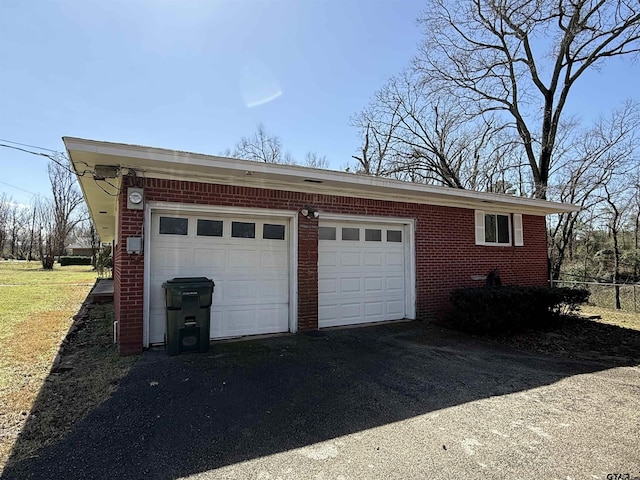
(102, 292)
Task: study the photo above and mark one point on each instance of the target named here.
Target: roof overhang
(101, 194)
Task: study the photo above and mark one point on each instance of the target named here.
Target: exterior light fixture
(309, 212)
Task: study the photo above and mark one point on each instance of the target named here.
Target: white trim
(165, 163)
(410, 275)
(479, 221)
(146, 229)
(479, 224)
(187, 208)
(409, 232)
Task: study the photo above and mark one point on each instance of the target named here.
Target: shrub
(64, 261)
(492, 310)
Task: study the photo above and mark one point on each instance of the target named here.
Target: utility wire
(49, 156)
(30, 146)
(22, 189)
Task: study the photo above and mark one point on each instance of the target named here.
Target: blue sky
(195, 75)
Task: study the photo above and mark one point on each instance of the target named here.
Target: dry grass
(610, 316)
(36, 310)
(89, 372)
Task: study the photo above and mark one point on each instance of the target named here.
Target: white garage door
(247, 258)
(361, 273)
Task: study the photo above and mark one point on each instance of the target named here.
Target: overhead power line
(46, 155)
(30, 146)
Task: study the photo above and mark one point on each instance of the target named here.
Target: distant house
(77, 250)
(292, 248)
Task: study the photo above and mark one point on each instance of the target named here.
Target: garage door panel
(327, 286)
(242, 259)
(210, 258)
(350, 259)
(168, 257)
(394, 259)
(350, 285)
(394, 284)
(328, 258)
(327, 313)
(374, 309)
(350, 311)
(395, 308)
(373, 284)
(275, 290)
(373, 259)
(273, 260)
(235, 290)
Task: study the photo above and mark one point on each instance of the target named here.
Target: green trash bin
(188, 313)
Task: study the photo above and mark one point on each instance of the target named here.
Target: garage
(247, 257)
(364, 272)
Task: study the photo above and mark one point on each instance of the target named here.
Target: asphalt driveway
(403, 401)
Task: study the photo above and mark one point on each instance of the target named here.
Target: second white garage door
(361, 273)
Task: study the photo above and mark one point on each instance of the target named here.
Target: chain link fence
(604, 294)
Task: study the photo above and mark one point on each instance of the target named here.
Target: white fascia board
(171, 164)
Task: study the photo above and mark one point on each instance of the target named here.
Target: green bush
(508, 309)
(64, 261)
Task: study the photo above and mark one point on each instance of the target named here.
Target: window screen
(372, 235)
(174, 226)
(327, 233)
(273, 232)
(394, 236)
(243, 230)
(209, 228)
(350, 234)
(496, 228)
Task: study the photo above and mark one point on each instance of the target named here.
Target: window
(372, 235)
(174, 226)
(209, 228)
(327, 233)
(351, 234)
(273, 232)
(495, 229)
(394, 236)
(243, 230)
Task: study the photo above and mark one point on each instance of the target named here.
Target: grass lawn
(610, 316)
(36, 310)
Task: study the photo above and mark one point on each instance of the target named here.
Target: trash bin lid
(189, 280)
(184, 280)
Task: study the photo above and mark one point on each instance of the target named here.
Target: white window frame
(516, 236)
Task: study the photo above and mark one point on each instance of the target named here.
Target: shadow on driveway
(178, 416)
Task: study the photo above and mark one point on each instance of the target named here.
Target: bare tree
(57, 217)
(521, 58)
(410, 132)
(587, 161)
(18, 231)
(260, 147)
(5, 208)
(617, 201)
(313, 160)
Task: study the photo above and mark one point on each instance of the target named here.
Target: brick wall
(446, 254)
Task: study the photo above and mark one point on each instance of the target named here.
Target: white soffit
(170, 164)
